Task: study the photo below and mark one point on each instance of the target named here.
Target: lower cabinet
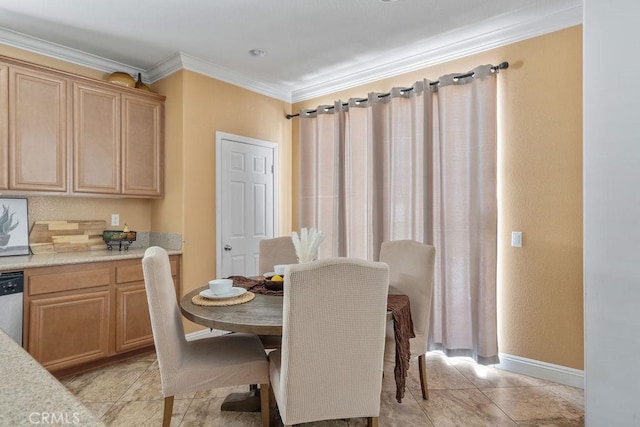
(133, 325)
(83, 313)
(69, 330)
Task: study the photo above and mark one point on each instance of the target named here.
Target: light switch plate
(115, 219)
(516, 239)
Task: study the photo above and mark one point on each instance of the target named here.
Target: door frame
(218, 211)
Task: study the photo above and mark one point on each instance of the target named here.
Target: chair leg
(422, 367)
(264, 405)
(372, 422)
(168, 410)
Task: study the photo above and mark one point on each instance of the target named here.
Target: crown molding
(207, 68)
(492, 33)
(64, 53)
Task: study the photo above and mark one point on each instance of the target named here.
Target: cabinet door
(142, 146)
(4, 126)
(38, 114)
(133, 324)
(68, 330)
(96, 139)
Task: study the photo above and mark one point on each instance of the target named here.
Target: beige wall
(207, 106)
(540, 190)
(167, 213)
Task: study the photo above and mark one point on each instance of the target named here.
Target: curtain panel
(418, 163)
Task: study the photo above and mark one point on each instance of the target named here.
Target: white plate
(234, 292)
(269, 274)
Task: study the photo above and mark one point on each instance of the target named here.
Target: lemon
(277, 278)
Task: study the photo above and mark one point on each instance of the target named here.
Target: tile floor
(461, 394)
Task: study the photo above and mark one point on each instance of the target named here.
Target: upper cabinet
(38, 117)
(4, 126)
(96, 139)
(142, 138)
(66, 134)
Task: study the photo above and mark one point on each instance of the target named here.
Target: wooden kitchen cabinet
(142, 138)
(133, 324)
(96, 139)
(69, 330)
(38, 130)
(117, 142)
(4, 126)
(68, 134)
(87, 313)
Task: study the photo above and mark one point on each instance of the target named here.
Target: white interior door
(245, 202)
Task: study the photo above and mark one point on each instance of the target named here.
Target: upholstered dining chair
(279, 250)
(411, 267)
(333, 331)
(188, 366)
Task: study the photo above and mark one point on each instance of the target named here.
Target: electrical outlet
(115, 219)
(516, 239)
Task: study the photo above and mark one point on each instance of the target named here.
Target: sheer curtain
(418, 163)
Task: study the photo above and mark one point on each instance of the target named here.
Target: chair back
(333, 332)
(279, 250)
(166, 320)
(411, 266)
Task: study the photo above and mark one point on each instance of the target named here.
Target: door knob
(227, 248)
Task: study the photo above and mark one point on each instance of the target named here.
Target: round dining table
(261, 316)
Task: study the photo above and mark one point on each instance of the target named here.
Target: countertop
(21, 262)
(31, 395)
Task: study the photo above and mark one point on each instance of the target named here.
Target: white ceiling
(313, 47)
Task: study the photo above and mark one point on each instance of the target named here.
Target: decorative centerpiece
(307, 243)
(123, 238)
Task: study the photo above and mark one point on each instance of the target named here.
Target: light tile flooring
(461, 394)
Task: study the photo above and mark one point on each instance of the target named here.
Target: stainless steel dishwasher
(11, 288)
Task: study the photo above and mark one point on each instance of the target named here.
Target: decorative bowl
(117, 235)
(274, 285)
(122, 79)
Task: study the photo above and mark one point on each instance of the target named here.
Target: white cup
(280, 269)
(220, 286)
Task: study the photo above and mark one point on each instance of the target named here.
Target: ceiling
(313, 47)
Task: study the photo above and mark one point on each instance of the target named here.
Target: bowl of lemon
(275, 282)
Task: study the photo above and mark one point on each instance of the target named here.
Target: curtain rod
(502, 66)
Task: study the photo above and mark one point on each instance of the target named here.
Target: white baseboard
(543, 370)
(508, 362)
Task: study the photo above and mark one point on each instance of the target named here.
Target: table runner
(257, 286)
(403, 330)
(402, 325)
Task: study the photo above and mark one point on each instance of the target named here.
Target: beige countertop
(21, 262)
(32, 396)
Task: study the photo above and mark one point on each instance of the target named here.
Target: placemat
(246, 297)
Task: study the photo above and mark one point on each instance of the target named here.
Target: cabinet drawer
(133, 272)
(53, 280)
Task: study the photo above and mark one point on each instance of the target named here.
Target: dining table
(262, 316)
